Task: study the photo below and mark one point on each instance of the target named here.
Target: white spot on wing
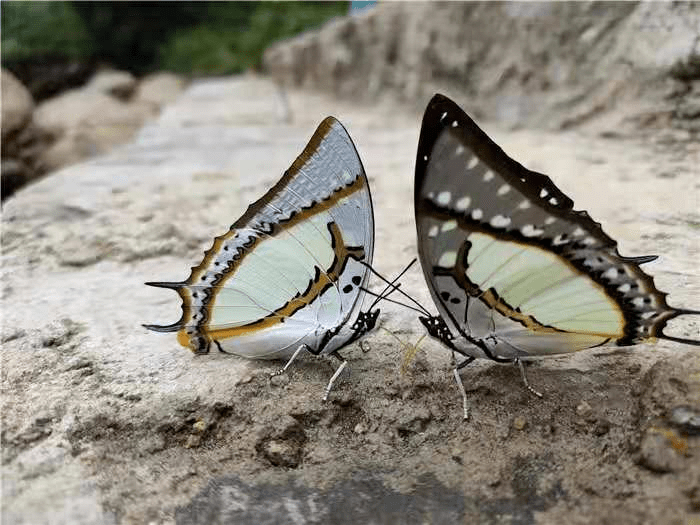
(578, 232)
(477, 214)
(433, 231)
(530, 231)
(472, 162)
(448, 259)
(459, 150)
(488, 175)
(463, 203)
(550, 220)
(610, 273)
(454, 124)
(499, 221)
(449, 225)
(543, 193)
(444, 197)
(524, 205)
(624, 288)
(553, 201)
(503, 189)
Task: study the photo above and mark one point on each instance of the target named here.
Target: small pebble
(584, 409)
(519, 423)
(601, 428)
(282, 453)
(199, 426)
(280, 380)
(360, 428)
(193, 441)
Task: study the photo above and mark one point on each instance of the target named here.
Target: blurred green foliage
(32, 29)
(232, 40)
(186, 37)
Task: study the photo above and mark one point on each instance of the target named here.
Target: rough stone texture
(552, 65)
(77, 124)
(86, 122)
(104, 422)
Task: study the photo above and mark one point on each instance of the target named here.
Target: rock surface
(537, 64)
(86, 122)
(17, 104)
(104, 422)
(22, 141)
(77, 124)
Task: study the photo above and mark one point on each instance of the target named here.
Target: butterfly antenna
(422, 308)
(385, 298)
(391, 286)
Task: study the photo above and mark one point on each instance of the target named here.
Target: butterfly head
(366, 321)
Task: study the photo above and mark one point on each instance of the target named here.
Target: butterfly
(291, 273)
(513, 269)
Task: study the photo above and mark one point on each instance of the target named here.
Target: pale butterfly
(291, 273)
(514, 270)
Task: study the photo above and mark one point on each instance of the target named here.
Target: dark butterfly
(513, 269)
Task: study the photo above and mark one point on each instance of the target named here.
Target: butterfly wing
(508, 260)
(290, 271)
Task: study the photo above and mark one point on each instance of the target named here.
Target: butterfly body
(291, 272)
(513, 269)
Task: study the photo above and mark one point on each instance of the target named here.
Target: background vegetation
(199, 38)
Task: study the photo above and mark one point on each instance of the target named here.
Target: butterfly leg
(522, 373)
(291, 360)
(335, 376)
(460, 383)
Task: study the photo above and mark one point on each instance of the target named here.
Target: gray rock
(86, 122)
(550, 65)
(17, 104)
(22, 141)
(118, 84)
